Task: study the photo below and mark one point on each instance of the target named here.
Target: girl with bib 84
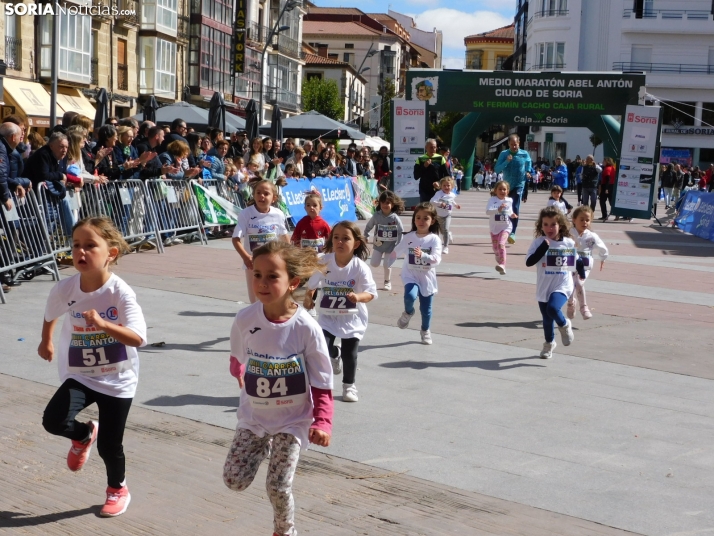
(279, 356)
(98, 361)
(553, 250)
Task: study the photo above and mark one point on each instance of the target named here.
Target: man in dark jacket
(429, 169)
(140, 142)
(11, 136)
(154, 168)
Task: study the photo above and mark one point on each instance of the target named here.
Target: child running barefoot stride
(258, 224)
(554, 252)
(587, 244)
(422, 248)
(445, 201)
(388, 233)
(500, 212)
(98, 361)
(346, 287)
(311, 231)
(280, 358)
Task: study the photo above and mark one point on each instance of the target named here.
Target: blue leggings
(551, 311)
(411, 291)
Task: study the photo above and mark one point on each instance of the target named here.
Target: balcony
(13, 53)
(256, 34)
(557, 66)
(95, 72)
(676, 22)
(667, 68)
(550, 13)
(668, 14)
(288, 47)
(128, 14)
(103, 10)
(284, 98)
(122, 77)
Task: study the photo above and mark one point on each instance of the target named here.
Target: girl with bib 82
(257, 225)
(279, 356)
(422, 249)
(98, 361)
(553, 250)
(346, 286)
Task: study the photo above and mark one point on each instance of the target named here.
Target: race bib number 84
(276, 383)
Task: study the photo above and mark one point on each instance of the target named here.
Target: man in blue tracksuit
(515, 164)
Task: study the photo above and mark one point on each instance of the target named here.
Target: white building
(671, 40)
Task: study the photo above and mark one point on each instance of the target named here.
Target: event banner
(408, 144)
(366, 194)
(215, 209)
(635, 182)
(696, 215)
(338, 202)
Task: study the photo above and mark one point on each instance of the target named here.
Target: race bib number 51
(94, 353)
(276, 383)
(560, 260)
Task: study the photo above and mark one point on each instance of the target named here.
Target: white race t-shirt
(282, 361)
(88, 355)
(560, 205)
(257, 229)
(499, 219)
(589, 244)
(421, 271)
(338, 315)
(553, 275)
(444, 203)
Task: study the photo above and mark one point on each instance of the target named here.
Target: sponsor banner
(215, 209)
(696, 215)
(408, 145)
(366, 194)
(635, 181)
(338, 201)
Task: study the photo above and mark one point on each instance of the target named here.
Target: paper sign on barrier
(11, 215)
(171, 195)
(125, 197)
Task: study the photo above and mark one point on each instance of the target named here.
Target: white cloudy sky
(455, 18)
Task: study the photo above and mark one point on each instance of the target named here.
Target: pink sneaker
(117, 502)
(79, 453)
(585, 311)
(570, 312)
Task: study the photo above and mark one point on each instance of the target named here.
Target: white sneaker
(387, 285)
(168, 242)
(451, 238)
(547, 351)
(403, 321)
(349, 392)
(445, 251)
(175, 240)
(566, 333)
(501, 269)
(337, 361)
(426, 337)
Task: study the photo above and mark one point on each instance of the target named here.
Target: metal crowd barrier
(25, 246)
(176, 210)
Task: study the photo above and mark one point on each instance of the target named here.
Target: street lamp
(369, 54)
(275, 30)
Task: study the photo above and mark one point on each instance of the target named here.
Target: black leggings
(349, 355)
(71, 398)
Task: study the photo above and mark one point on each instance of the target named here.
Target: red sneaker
(118, 500)
(79, 453)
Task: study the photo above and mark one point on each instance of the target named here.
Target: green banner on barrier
(366, 194)
(215, 209)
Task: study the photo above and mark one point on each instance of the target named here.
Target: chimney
(322, 50)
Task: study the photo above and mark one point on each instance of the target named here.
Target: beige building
(489, 50)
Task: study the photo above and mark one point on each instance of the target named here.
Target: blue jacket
(514, 172)
(560, 176)
(120, 157)
(4, 165)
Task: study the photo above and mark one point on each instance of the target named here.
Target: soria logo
(630, 117)
(407, 111)
(539, 117)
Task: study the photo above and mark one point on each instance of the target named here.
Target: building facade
(351, 85)
(670, 40)
(489, 50)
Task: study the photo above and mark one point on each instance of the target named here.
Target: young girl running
(98, 361)
(554, 252)
(587, 244)
(311, 231)
(445, 200)
(258, 224)
(388, 234)
(346, 287)
(279, 357)
(556, 200)
(500, 212)
(422, 248)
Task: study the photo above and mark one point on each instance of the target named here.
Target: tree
(323, 96)
(595, 141)
(444, 129)
(387, 91)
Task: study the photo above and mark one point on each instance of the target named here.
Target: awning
(31, 99)
(71, 99)
(499, 142)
